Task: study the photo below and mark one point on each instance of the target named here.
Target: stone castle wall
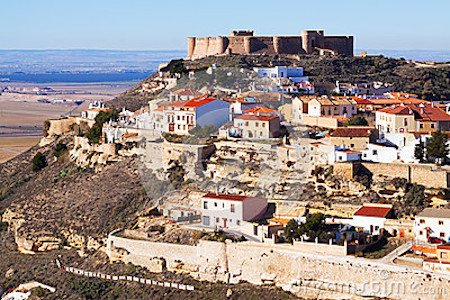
(428, 175)
(249, 44)
(289, 266)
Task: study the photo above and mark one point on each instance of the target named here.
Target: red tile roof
(257, 117)
(226, 197)
(260, 109)
(195, 102)
(373, 211)
(422, 112)
(351, 132)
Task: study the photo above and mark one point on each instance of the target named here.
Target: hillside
(429, 81)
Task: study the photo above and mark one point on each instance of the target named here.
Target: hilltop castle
(244, 42)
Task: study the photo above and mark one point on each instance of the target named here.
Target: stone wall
(291, 267)
(428, 175)
(249, 44)
(64, 125)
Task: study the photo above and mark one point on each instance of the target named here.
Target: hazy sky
(149, 24)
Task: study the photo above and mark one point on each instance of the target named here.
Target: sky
(163, 25)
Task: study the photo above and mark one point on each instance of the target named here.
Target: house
(442, 261)
(355, 138)
(347, 155)
(181, 116)
(423, 117)
(294, 74)
(183, 95)
(332, 106)
(367, 90)
(256, 126)
(432, 222)
(94, 109)
(240, 104)
(380, 153)
(372, 217)
(324, 111)
(228, 211)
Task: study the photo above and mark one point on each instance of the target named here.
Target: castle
(244, 42)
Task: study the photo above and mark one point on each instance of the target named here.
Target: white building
(295, 74)
(93, 110)
(180, 117)
(380, 153)
(432, 222)
(371, 216)
(230, 211)
(342, 155)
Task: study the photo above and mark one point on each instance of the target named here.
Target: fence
(174, 285)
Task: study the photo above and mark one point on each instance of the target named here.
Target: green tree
(414, 200)
(203, 132)
(357, 121)
(437, 145)
(95, 132)
(419, 151)
(60, 148)
(39, 162)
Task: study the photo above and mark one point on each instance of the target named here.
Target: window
(443, 255)
(441, 222)
(263, 124)
(206, 220)
(238, 222)
(432, 125)
(406, 122)
(421, 125)
(205, 205)
(178, 118)
(215, 204)
(421, 232)
(217, 220)
(422, 221)
(256, 124)
(374, 152)
(352, 145)
(442, 234)
(232, 208)
(246, 123)
(223, 205)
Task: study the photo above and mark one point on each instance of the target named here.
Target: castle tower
(312, 39)
(247, 45)
(191, 47)
(276, 44)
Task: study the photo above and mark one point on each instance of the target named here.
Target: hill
(429, 81)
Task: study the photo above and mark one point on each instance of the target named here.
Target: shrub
(59, 150)
(357, 121)
(39, 162)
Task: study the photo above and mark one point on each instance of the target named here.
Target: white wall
(436, 228)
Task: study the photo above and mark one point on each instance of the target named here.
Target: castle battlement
(244, 42)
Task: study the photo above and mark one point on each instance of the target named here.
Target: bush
(357, 121)
(203, 132)
(89, 288)
(59, 150)
(39, 162)
(95, 133)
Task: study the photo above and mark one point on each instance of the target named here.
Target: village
(343, 175)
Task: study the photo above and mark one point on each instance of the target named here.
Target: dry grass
(12, 146)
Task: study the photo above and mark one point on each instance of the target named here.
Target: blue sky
(148, 24)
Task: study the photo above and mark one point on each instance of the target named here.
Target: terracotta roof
(332, 101)
(422, 112)
(373, 211)
(351, 132)
(195, 102)
(226, 197)
(350, 151)
(362, 101)
(260, 109)
(257, 117)
(129, 134)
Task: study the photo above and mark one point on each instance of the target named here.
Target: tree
(39, 162)
(60, 148)
(437, 145)
(414, 200)
(94, 134)
(203, 132)
(313, 227)
(419, 151)
(357, 121)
